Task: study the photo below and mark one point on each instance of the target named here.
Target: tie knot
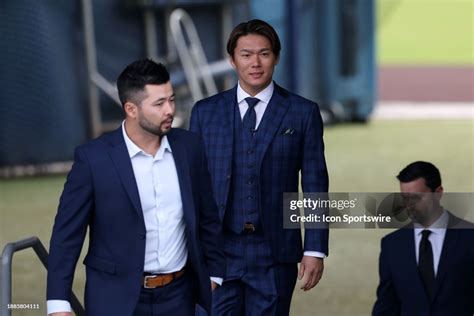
(252, 101)
(425, 233)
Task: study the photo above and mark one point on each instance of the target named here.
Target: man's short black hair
(257, 27)
(133, 79)
(421, 169)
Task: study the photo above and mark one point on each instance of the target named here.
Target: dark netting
(43, 77)
(42, 115)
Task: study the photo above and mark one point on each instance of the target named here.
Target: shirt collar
(133, 149)
(265, 95)
(164, 146)
(439, 225)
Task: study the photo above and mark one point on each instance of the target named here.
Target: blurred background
(394, 80)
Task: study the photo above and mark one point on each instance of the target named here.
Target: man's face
(155, 113)
(254, 62)
(421, 203)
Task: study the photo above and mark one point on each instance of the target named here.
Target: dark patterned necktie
(250, 118)
(425, 263)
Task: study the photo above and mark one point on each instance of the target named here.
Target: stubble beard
(151, 128)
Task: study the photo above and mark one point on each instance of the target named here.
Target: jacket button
(142, 236)
(228, 176)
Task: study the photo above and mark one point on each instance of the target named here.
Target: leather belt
(153, 281)
(249, 228)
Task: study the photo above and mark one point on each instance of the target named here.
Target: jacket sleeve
(314, 176)
(210, 226)
(70, 226)
(387, 302)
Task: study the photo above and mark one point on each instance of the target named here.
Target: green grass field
(361, 158)
(430, 32)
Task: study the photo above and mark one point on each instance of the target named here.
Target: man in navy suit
(426, 268)
(145, 194)
(258, 138)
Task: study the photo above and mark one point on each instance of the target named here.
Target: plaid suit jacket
(292, 142)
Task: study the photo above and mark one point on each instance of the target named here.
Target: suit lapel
(271, 120)
(121, 159)
(184, 179)
(225, 143)
(448, 252)
(408, 255)
(406, 263)
(229, 101)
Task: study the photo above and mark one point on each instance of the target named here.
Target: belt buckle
(249, 228)
(145, 279)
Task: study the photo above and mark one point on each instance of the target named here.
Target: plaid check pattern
(280, 156)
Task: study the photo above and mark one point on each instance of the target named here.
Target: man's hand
(311, 271)
(61, 314)
(213, 285)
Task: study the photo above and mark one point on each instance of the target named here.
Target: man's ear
(439, 192)
(231, 61)
(130, 109)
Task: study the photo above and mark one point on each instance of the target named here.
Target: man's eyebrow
(165, 98)
(159, 100)
(246, 50)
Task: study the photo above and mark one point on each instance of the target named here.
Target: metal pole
(150, 34)
(6, 280)
(6, 273)
(91, 58)
(227, 24)
(292, 39)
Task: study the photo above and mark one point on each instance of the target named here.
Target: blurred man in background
(258, 137)
(428, 267)
(145, 193)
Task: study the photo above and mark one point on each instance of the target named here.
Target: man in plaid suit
(258, 137)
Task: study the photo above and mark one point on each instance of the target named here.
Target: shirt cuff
(217, 280)
(316, 254)
(57, 306)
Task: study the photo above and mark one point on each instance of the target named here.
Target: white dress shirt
(160, 198)
(436, 238)
(264, 96)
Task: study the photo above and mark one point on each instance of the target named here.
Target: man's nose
(169, 108)
(256, 62)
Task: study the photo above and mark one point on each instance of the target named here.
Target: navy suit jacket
(281, 157)
(101, 193)
(401, 290)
